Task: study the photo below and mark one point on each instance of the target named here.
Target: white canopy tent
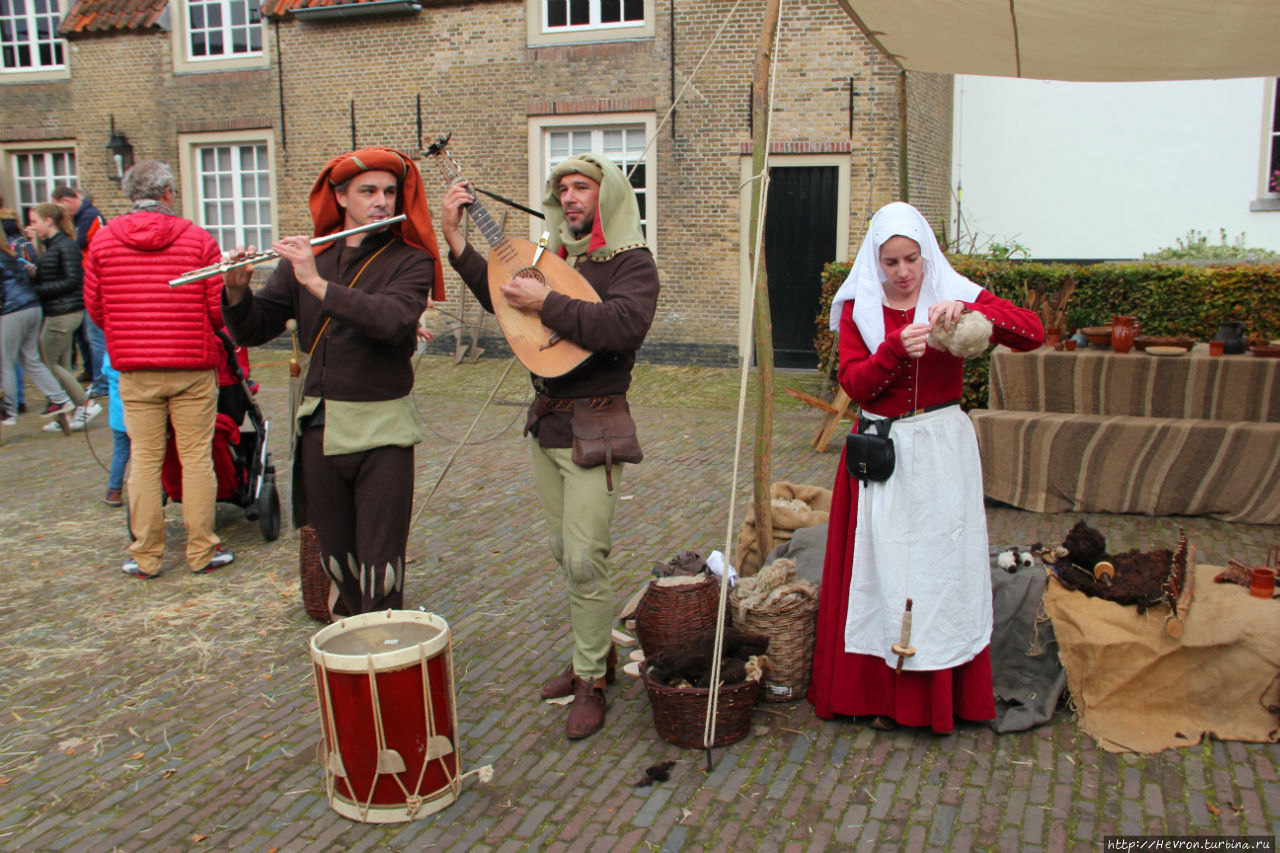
(1081, 40)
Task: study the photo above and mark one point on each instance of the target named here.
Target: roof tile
(87, 16)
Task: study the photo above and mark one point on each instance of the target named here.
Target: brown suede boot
(586, 714)
(562, 684)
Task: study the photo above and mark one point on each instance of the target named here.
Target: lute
(541, 350)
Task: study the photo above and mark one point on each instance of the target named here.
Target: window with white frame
(29, 35)
(36, 173)
(234, 193)
(561, 15)
(218, 29)
(623, 144)
(1273, 162)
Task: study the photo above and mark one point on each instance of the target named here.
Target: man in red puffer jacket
(161, 340)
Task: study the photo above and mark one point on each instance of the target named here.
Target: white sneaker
(53, 426)
(84, 414)
(9, 420)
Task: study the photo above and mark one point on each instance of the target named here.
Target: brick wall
(929, 112)
(478, 79)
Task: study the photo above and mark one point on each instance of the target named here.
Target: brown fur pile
(742, 656)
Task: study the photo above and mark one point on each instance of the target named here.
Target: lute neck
(488, 226)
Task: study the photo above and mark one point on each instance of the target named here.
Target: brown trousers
(360, 505)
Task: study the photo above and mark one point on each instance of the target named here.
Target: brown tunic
(366, 352)
(612, 329)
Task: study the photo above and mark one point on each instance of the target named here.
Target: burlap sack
(785, 521)
(1136, 689)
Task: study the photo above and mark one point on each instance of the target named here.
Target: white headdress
(865, 284)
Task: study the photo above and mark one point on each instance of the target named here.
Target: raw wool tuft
(773, 587)
(969, 336)
(793, 504)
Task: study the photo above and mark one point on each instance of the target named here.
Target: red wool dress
(885, 384)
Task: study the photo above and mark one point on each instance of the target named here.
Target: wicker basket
(680, 713)
(792, 632)
(672, 616)
(315, 583)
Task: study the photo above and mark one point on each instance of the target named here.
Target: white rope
(713, 698)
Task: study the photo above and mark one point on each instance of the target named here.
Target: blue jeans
(97, 349)
(119, 458)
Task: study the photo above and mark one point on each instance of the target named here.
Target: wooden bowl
(1143, 341)
(1099, 336)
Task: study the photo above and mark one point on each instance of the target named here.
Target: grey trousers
(20, 344)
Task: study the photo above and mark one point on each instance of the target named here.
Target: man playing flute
(356, 302)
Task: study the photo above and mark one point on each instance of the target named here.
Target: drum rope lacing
(413, 799)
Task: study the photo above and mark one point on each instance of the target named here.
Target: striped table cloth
(1099, 432)
(1100, 382)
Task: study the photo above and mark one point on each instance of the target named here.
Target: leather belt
(912, 413)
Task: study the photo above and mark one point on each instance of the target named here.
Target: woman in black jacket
(58, 279)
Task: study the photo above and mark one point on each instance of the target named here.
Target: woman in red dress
(922, 533)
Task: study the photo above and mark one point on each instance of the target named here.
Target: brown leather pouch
(603, 434)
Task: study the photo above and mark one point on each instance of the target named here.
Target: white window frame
(1271, 137)
(185, 63)
(191, 189)
(746, 240)
(540, 160)
(56, 71)
(49, 149)
(541, 36)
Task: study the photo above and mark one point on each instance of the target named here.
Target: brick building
(249, 102)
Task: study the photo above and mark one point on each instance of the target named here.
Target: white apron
(922, 534)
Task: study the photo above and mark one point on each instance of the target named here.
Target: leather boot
(586, 714)
(562, 684)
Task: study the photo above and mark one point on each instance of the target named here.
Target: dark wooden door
(799, 239)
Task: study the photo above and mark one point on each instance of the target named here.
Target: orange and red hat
(416, 229)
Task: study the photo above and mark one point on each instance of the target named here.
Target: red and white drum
(384, 682)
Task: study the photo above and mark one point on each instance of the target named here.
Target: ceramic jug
(1232, 336)
(1123, 331)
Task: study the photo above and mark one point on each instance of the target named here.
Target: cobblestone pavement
(180, 714)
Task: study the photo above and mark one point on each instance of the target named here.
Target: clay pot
(1123, 331)
(1052, 337)
(1262, 582)
(1231, 334)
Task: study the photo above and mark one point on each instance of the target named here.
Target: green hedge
(1167, 299)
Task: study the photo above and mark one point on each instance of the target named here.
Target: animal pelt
(684, 563)
(691, 665)
(1014, 559)
(967, 337)
(657, 773)
(1085, 546)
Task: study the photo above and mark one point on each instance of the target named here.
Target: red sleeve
(1017, 328)
(92, 293)
(865, 376)
(213, 285)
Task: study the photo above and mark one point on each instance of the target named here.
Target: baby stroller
(246, 474)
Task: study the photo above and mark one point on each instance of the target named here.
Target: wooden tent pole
(760, 110)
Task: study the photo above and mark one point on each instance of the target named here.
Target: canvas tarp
(1084, 40)
(1137, 689)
